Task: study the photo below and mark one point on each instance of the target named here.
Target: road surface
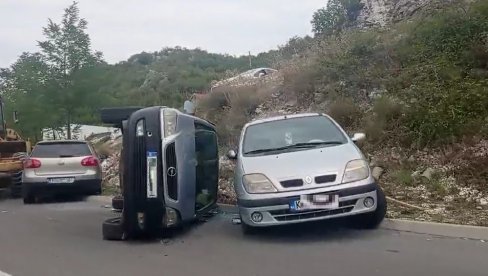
(64, 238)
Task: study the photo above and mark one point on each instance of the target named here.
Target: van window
(283, 133)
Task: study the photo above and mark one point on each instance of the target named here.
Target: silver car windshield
(292, 134)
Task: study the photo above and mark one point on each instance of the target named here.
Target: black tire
(374, 219)
(115, 115)
(112, 229)
(29, 199)
(15, 193)
(118, 202)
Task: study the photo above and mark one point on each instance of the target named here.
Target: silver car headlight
(355, 170)
(258, 184)
(169, 117)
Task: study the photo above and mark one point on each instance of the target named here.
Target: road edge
(419, 227)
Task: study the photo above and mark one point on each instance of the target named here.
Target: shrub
(403, 177)
(345, 112)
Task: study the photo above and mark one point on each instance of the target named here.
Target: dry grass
(345, 112)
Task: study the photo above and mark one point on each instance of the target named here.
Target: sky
(121, 28)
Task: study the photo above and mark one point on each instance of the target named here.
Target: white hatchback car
(301, 168)
(58, 166)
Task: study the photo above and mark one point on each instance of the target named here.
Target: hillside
(417, 88)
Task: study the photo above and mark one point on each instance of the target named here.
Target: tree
(25, 86)
(67, 52)
(336, 16)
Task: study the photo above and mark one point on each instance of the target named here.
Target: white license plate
(61, 180)
(315, 202)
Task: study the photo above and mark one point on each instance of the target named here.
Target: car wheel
(374, 219)
(29, 199)
(112, 229)
(118, 202)
(115, 115)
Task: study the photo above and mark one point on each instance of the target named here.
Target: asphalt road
(65, 239)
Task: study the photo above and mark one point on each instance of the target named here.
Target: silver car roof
(283, 117)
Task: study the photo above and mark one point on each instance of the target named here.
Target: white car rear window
(53, 150)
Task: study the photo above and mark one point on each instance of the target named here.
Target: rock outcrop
(380, 13)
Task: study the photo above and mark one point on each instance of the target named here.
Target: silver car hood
(303, 163)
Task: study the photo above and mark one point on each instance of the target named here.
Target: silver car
(301, 168)
(55, 167)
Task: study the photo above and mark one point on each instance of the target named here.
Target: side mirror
(358, 137)
(231, 154)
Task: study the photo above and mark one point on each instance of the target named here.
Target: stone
(411, 159)
(377, 172)
(428, 173)
(483, 202)
(415, 174)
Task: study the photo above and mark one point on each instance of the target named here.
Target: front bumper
(276, 211)
(86, 187)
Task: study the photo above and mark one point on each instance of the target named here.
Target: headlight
(355, 170)
(258, 184)
(169, 117)
(140, 128)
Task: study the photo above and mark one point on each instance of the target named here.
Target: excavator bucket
(9, 148)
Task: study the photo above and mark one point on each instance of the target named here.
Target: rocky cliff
(384, 12)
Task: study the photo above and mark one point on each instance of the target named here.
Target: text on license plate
(319, 201)
(61, 180)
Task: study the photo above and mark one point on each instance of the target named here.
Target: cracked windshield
(244, 137)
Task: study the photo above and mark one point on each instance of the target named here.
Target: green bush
(403, 177)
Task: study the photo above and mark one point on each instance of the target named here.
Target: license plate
(61, 180)
(314, 202)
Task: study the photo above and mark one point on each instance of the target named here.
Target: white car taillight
(89, 162)
(32, 163)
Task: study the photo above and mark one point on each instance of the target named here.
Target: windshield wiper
(314, 144)
(266, 150)
(297, 145)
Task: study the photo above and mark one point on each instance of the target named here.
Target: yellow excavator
(13, 149)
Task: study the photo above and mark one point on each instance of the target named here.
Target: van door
(207, 170)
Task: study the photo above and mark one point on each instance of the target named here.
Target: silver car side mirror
(358, 137)
(231, 154)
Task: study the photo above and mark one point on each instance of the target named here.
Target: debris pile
(110, 167)
(226, 193)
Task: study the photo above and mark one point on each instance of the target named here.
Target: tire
(374, 219)
(15, 193)
(112, 229)
(29, 199)
(115, 115)
(118, 202)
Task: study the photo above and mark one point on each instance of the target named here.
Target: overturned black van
(168, 170)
